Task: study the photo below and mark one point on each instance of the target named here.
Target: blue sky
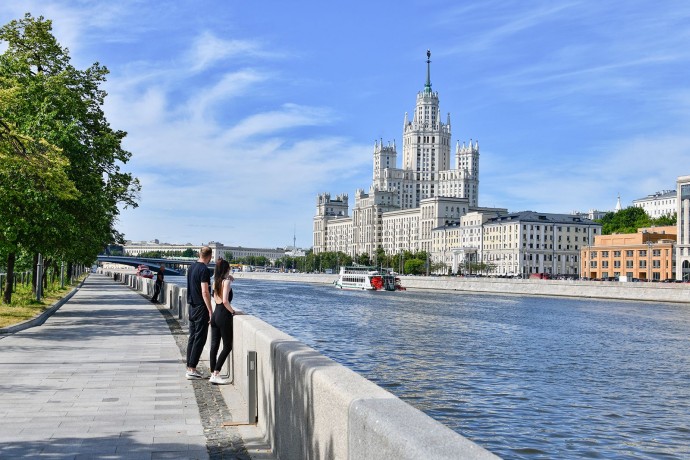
(240, 113)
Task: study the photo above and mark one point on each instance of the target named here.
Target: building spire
(427, 86)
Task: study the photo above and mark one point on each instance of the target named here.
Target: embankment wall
(652, 292)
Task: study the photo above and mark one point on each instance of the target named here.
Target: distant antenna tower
(294, 238)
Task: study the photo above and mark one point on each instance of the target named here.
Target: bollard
(252, 392)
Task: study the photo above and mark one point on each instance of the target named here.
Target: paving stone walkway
(104, 378)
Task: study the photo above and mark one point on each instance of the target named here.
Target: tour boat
(363, 278)
(144, 271)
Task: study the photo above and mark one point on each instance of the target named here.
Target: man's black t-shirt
(197, 274)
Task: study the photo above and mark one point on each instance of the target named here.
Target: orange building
(648, 254)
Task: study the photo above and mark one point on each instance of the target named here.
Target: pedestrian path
(102, 377)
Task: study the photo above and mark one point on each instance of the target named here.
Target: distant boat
(364, 278)
(144, 271)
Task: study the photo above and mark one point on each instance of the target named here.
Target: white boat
(364, 278)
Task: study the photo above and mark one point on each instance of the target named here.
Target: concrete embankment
(309, 406)
(648, 292)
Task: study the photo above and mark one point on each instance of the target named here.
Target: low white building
(663, 203)
(132, 248)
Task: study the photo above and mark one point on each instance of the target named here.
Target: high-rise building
(683, 228)
(425, 173)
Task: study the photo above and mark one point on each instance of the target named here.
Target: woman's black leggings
(221, 328)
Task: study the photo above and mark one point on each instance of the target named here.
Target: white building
(683, 226)
(219, 249)
(392, 214)
(663, 203)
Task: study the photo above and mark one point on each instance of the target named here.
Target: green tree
(415, 267)
(363, 259)
(46, 99)
(664, 221)
(381, 258)
(33, 176)
(626, 220)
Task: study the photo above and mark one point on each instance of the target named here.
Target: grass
(24, 305)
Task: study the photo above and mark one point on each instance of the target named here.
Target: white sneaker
(218, 380)
(193, 375)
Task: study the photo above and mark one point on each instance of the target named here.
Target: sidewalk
(102, 377)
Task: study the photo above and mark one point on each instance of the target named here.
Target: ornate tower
(467, 158)
(426, 142)
(385, 157)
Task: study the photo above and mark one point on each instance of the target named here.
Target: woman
(221, 320)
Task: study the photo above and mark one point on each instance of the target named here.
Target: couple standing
(201, 314)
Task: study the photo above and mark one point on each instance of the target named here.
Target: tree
(439, 267)
(626, 220)
(33, 177)
(381, 258)
(363, 259)
(51, 103)
(415, 267)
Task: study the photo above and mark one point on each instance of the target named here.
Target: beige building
(513, 244)
(647, 255)
(528, 242)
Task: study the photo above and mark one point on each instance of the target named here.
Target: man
(199, 300)
(159, 283)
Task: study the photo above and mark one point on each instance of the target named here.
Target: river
(525, 377)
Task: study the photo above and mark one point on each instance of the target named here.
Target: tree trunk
(46, 265)
(34, 281)
(9, 283)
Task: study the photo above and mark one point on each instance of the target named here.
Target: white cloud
(208, 50)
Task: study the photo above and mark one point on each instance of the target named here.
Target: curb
(40, 319)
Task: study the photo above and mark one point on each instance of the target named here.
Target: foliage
(363, 259)
(415, 267)
(60, 179)
(257, 261)
(630, 219)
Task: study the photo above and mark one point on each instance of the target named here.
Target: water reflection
(526, 377)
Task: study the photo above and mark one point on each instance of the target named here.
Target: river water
(525, 377)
